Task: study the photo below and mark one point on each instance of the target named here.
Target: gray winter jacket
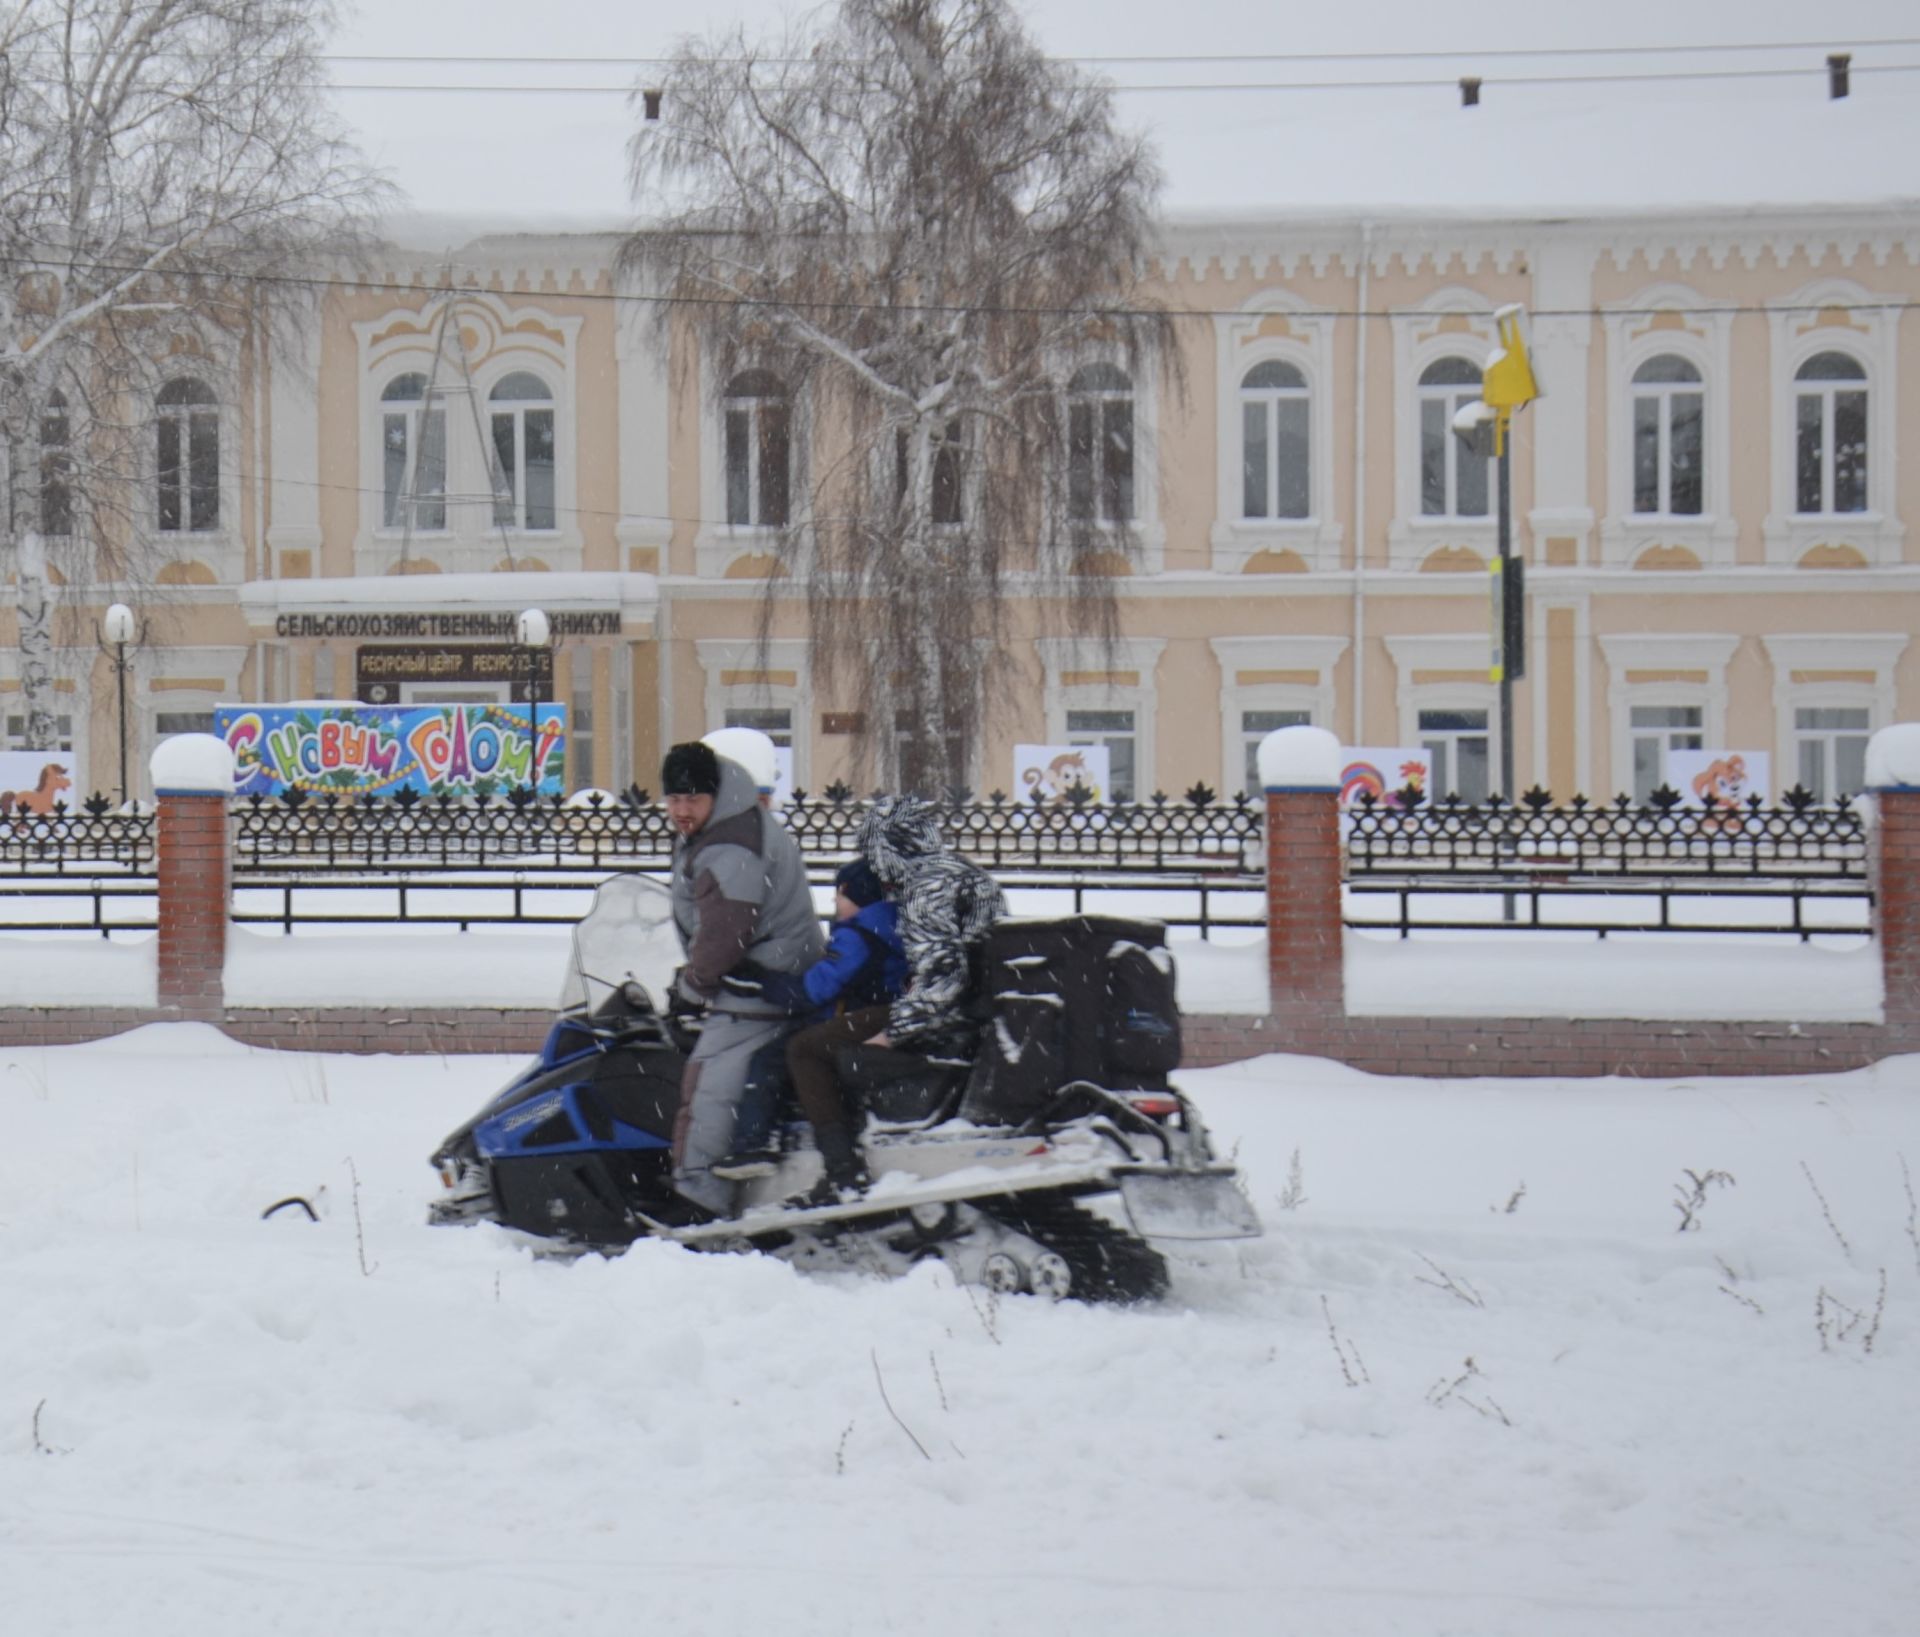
(740, 894)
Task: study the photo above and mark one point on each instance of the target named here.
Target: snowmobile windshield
(628, 934)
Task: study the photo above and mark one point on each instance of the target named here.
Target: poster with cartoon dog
(1722, 778)
(1058, 773)
(33, 783)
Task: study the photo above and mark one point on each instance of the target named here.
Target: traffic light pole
(1505, 464)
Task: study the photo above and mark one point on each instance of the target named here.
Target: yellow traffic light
(1508, 383)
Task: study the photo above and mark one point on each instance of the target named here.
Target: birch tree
(921, 231)
(161, 163)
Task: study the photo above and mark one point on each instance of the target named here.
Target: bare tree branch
(156, 158)
(923, 231)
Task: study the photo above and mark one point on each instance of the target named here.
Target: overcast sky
(559, 158)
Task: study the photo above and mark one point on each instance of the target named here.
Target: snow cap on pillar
(192, 764)
(1893, 758)
(752, 749)
(1300, 758)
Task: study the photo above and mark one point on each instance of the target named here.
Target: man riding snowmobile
(739, 896)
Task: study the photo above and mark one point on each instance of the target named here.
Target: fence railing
(1535, 838)
(527, 833)
(1796, 867)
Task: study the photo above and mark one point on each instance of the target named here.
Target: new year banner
(377, 750)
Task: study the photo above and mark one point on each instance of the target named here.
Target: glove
(683, 1000)
(750, 981)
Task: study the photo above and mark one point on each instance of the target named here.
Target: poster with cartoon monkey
(1054, 773)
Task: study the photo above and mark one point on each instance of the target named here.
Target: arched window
(521, 407)
(1453, 480)
(1100, 445)
(1830, 429)
(1669, 407)
(188, 467)
(413, 445)
(758, 423)
(1274, 446)
(56, 468)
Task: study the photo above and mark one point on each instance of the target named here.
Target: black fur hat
(691, 769)
(859, 883)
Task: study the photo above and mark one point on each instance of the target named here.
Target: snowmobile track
(1108, 1263)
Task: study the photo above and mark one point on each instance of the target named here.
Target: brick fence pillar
(1893, 775)
(193, 782)
(1300, 771)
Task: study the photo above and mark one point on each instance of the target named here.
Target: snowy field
(214, 1425)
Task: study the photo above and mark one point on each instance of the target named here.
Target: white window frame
(1822, 696)
(1242, 654)
(1871, 336)
(1672, 699)
(755, 408)
(1095, 399)
(1876, 652)
(415, 411)
(145, 702)
(1147, 533)
(516, 410)
(81, 698)
(1709, 652)
(221, 549)
(1458, 696)
(1637, 330)
(510, 337)
(1419, 340)
(1141, 655)
(717, 544)
(720, 655)
(1469, 651)
(1664, 396)
(1243, 340)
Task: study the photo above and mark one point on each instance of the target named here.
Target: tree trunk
(36, 643)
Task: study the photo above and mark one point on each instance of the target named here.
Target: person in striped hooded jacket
(946, 906)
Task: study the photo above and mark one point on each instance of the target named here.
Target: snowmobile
(1045, 1165)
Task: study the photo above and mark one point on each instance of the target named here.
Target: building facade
(1709, 499)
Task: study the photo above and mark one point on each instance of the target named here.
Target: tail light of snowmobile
(1156, 1105)
(446, 1176)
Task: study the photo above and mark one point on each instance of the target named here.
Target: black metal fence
(1661, 866)
(526, 833)
(1796, 867)
(1662, 836)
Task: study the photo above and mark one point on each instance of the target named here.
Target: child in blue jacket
(865, 966)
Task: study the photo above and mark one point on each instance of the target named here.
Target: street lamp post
(534, 631)
(117, 629)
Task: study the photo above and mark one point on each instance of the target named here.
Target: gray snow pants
(710, 1090)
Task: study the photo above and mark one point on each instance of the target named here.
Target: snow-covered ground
(212, 1425)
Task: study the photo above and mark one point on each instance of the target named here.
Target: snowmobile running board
(970, 1187)
(1164, 1195)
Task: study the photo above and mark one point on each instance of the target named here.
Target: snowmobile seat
(898, 1087)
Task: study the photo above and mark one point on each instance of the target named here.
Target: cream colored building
(1710, 501)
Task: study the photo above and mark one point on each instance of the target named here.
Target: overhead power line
(1141, 59)
(1668, 77)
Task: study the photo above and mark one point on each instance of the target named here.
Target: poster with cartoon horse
(35, 783)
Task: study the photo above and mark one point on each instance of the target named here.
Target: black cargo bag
(1086, 997)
